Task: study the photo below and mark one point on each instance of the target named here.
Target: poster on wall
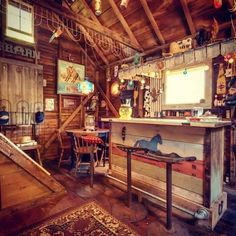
(49, 104)
(70, 75)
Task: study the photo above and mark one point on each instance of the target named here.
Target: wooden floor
(112, 199)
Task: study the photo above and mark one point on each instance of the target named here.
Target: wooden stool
(36, 149)
(169, 159)
(129, 150)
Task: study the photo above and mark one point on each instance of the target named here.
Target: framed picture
(49, 104)
(70, 75)
(69, 103)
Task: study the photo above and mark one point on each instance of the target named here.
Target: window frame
(6, 27)
(208, 88)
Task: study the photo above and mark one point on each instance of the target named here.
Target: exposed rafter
(82, 49)
(90, 39)
(152, 21)
(78, 18)
(166, 45)
(93, 16)
(124, 23)
(188, 16)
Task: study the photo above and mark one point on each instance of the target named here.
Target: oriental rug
(86, 220)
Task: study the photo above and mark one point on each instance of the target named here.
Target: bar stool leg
(169, 196)
(129, 192)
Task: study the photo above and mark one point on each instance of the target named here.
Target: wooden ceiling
(150, 25)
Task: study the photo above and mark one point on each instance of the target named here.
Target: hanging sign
(19, 50)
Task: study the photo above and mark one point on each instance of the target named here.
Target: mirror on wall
(188, 87)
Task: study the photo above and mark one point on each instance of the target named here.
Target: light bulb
(98, 7)
(142, 81)
(185, 72)
(206, 67)
(231, 60)
(122, 81)
(131, 83)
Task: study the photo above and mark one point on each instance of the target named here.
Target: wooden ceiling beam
(93, 16)
(188, 16)
(71, 36)
(166, 45)
(152, 21)
(124, 23)
(68, 14)
(93, 44)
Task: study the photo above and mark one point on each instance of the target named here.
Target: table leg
(129, 192)
(91, 169)
(169, 196)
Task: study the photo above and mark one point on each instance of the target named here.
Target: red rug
(88, 219)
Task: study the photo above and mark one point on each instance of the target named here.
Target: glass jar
(125, 111)
(89, 123)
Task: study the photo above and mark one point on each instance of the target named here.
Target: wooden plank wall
(62, 48)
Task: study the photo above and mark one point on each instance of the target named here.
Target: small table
(36, 149)
(72, 132)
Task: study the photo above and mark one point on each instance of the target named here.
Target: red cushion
(92, 139)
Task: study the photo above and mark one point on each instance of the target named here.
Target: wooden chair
(63, 147)
(86, 144)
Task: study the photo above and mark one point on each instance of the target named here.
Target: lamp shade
(85, 87)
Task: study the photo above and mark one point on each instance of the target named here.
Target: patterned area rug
(88, 219)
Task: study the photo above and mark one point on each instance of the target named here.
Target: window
(188, 87)
(19, 21)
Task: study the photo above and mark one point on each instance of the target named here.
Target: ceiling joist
(188, 16)
(92, 15)
(87, 23)
(82, 49)
(152, 21)
(124, 23)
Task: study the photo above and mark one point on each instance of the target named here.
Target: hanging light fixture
(98, 7)
(124, 4)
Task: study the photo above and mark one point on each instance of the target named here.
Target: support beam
(166, 45)
(68, 14)
(110, 105)
(71, 36)
(188, 16)
(94, 45)
(152, 21)
(68, 120)
(93, 16)
(124, 23)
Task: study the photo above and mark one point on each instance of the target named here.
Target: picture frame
(69, 76)
(69, 103)
(49, 104)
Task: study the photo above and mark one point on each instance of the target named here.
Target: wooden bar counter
(197, 186)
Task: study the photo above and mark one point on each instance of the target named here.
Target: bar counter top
(170, 122)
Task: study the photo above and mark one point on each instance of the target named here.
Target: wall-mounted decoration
(85, 87)
(69, 103)
(19, 50)
(49, 104)
(70, 76)
(115, 89)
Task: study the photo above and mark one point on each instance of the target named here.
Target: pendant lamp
(124, 4)
(98, 7)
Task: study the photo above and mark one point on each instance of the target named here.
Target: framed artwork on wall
(49, 104)
(70, 75)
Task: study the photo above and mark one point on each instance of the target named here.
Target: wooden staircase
(21, 178)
